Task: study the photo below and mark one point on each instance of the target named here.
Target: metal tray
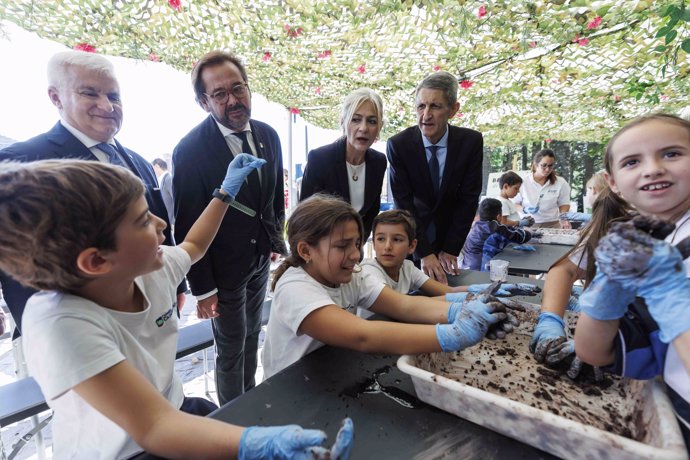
(552, 433)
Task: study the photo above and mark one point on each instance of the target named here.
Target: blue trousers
(236, 332)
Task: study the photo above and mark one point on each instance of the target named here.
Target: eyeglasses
(547, 166)
(221, 96)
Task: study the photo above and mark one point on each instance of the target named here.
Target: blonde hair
(597, 182)
(354, 101)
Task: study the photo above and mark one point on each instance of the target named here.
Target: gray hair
(60, 63)
(354, 100)
(444, 81)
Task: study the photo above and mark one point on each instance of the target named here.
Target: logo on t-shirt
(160, 321)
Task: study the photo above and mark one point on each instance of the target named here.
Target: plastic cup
(498, 270)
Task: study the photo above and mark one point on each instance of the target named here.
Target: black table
(532, 263)
(329, 384)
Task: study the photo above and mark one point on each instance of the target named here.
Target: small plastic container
(498, 270)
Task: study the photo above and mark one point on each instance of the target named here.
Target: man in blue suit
(86, 93)
(230, 281)
(436, 174)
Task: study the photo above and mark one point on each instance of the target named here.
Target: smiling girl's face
(650, 168)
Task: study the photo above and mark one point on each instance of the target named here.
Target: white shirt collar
(225, 130)
(83, 138)
(443, 142)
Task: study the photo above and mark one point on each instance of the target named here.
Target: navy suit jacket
(327, 172)
(200, 162)
(453, 210)
(59, 143)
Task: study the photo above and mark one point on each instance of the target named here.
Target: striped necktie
(114, 157)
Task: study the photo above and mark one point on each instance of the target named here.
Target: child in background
(510, 183)
(648, 163)
(487, 237)
(100, 339)
(394, 240)
(318, 288)
(595, 185)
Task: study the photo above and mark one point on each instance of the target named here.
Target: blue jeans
(236, 332)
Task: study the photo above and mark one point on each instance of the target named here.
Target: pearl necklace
(354, 170)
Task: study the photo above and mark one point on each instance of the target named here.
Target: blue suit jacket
(200, 162)
(59, 143)
(453, 210)
(327, 172)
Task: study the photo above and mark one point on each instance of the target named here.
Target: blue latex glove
(455, 307)
(605, 299)
(506, 289)
(531, 209)
(550, 329)
(238, 169)
(525, 247)
(660, 279)
(455, 297)
(583, 217)
(293, 442)
(470, 325)
(526, 221)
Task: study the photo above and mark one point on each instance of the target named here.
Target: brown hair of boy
(312, 220)
(509, 178)
(397, 217)
(50, 211)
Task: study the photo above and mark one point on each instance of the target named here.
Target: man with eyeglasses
(230, 281)
(436, 174)
(83, 87)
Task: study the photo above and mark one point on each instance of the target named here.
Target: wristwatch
(224, 197)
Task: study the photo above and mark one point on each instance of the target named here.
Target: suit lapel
(369, 178)
(452, 156)
(342, 172)
(420, 163)
(68, 146)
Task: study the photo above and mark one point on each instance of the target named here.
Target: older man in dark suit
(86, 93)
(436, 174)
(230, 281)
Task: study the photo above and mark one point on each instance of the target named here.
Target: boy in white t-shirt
(100, 339)
(394, 239)
(510, 183)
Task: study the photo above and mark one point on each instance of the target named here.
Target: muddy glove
(502, 328)
(525, 247)
(455, 307)
(605, 299)
(506, 289)
(238, 169)
(470, 325)
(550, 331)
(526, 221)
(293, 442)
(574, 300)
(575, 216)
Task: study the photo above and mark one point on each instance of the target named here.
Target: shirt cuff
(206, 295)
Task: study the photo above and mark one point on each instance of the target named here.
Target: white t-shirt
(68, 339)
(297, 295)
(508, 209)
(410, 277)
(549, 197)
(675, 374)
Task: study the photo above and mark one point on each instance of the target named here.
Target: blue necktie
(434, 169)
(113, 155)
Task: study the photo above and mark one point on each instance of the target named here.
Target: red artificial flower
(664, 98)
(466, 84)
(294, 110)
(267, 56)
(481, 12)
(532, 44)
(362, 69)
(437, 68)
(291, 31)
(584, 41)
(459, 115)
(616, 98)
(154, 58)
(85, 47)
(324, 54)
(317, 90)
(577, 37)
(594, 23)
(548, 141)
(175, 4)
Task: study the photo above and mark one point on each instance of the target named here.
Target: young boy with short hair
(510, 183)
(100, 340)
(488, 237)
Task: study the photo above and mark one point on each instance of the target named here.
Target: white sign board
(492, 188)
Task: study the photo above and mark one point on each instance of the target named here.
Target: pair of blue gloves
(630, 262)
(526, 221)
(294, 442)
(550, 342)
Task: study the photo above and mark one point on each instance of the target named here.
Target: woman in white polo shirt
(543, 194)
